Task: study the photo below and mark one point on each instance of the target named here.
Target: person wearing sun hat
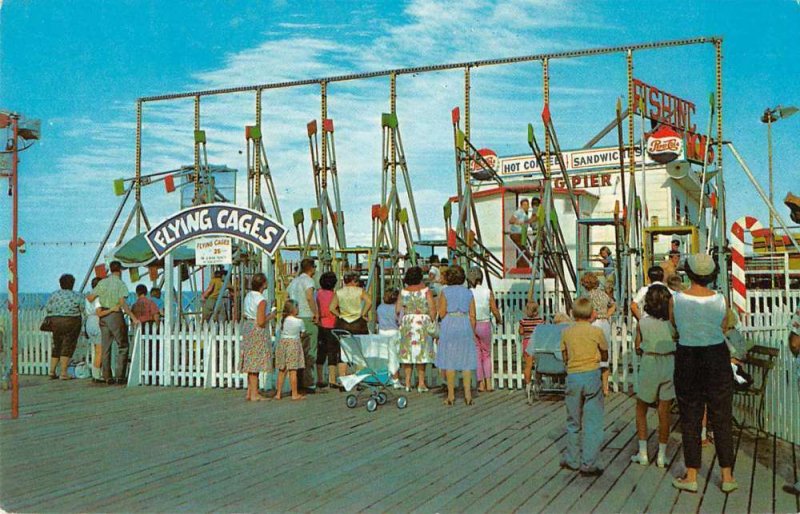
(703, 377)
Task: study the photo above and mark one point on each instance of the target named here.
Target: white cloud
(434, 32)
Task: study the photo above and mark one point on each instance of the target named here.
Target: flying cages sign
(217, 219)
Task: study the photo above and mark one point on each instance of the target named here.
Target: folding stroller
(365, 380)
(545, 347)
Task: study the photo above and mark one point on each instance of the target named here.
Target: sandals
(448, 402)
(468, 401)
(683, 485)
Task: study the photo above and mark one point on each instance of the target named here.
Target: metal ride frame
(390, 219)
(719, 208)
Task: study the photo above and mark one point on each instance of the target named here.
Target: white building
(669, 198)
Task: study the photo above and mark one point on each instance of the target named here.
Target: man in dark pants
(301, 290)
(113, 294)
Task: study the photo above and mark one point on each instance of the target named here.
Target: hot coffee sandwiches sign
(218, 219)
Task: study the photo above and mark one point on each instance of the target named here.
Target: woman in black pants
(65, 307)
(703, 377)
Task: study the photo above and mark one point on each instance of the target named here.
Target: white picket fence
(35, 346)
(782, 408)
(190, 356)
(209, 356)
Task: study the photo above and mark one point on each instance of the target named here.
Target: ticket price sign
(211, 251)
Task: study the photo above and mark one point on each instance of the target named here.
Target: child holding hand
(289, 354)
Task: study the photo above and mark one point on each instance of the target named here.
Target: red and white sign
(211, 251)
(489, 155)
(664, 145)
(479, 169)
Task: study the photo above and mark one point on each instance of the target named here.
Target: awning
(136, 252)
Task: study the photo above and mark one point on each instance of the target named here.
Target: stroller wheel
(381, 398)
(372, 404)
(402, 402)
(351, 400)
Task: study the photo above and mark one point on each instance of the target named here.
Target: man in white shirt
(518, 226)
(301, 290)
(655, 275)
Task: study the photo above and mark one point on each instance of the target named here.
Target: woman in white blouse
(256, 354)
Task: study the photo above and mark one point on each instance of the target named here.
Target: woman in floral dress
(256, 350)
(416, 327)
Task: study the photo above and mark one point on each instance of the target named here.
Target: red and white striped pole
(739, 287)
(13, 284)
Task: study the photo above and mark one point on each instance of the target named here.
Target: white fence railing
(782, 408)
(210, 356)
(35, 348)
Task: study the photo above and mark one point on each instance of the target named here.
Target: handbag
(47, 324)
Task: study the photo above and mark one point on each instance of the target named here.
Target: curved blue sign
(216, 219)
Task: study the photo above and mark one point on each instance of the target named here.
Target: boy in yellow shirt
(583, 347)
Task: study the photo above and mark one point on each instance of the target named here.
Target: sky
(80, 65)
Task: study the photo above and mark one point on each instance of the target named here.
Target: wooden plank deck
(84, 448)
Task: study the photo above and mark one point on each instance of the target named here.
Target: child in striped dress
(526, 327)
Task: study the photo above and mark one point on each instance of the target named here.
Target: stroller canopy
(547, 338)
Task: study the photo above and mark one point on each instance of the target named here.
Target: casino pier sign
(218, 219)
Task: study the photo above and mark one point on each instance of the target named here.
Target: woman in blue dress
(457, 334)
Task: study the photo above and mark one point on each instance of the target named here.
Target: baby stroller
(365, 380)
(545, 347)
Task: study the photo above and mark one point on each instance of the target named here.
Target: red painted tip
(312, 127)
(456, 114)
(376, 210)
(451, 239)
(327, 125)
(546, 113)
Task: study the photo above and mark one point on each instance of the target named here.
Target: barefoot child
(583, 347)
(526, 327)
(655, 342)
(289, 354)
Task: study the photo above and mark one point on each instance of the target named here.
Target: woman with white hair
(485, 309)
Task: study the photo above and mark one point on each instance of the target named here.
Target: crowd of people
(444, 318)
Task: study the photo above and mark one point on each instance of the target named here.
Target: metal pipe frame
(440, 67)
(196, 147)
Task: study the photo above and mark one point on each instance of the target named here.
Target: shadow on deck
(84, 448)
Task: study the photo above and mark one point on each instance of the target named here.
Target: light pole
(28, 131)
(769, 117)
